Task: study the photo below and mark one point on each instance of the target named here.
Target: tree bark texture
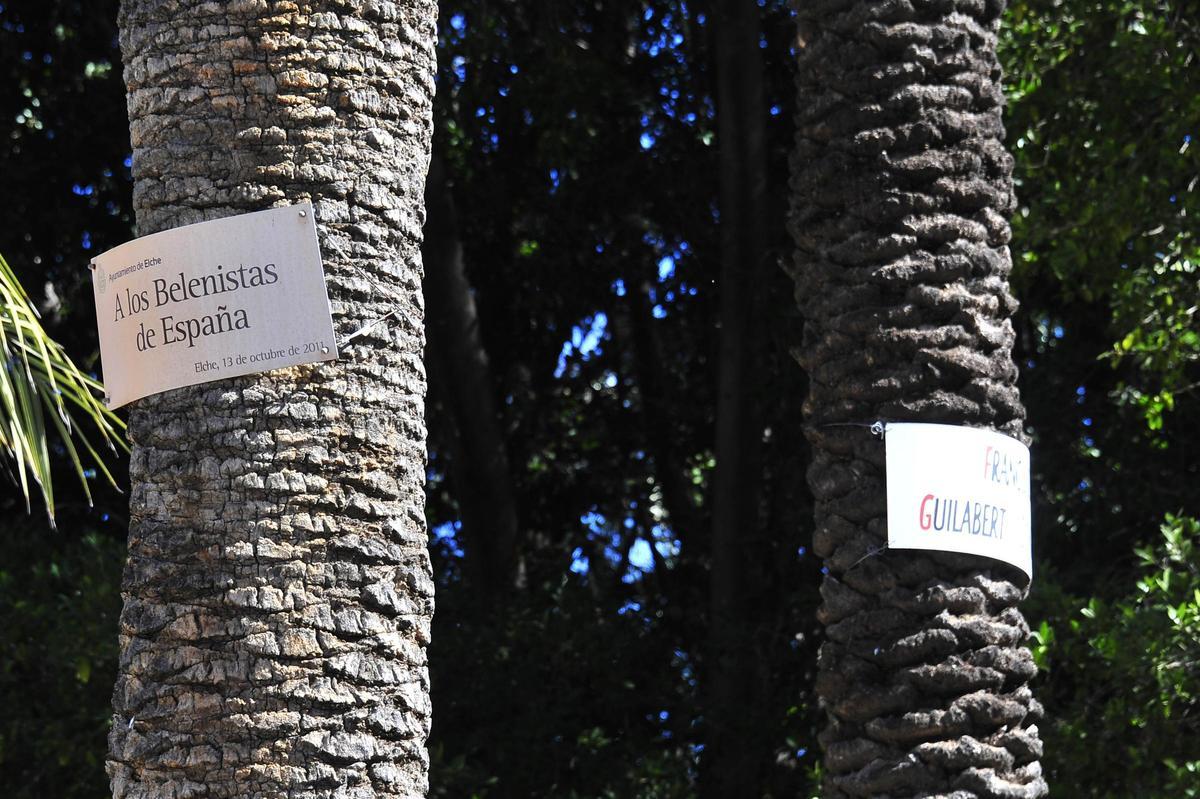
(901, 188)
(278, 592)
(734, 760)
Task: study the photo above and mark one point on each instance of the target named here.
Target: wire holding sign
(958, 489)
(217, 299)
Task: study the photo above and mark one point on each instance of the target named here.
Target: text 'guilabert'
(958, 489)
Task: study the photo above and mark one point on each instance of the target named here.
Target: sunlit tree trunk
(901, 189)
(278, 592)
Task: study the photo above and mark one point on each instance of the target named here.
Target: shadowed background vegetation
(574, 263)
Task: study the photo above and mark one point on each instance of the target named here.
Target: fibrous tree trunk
(278, 592)
(901, 188)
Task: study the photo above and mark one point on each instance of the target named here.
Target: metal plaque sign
(958, 489)
(217, 299)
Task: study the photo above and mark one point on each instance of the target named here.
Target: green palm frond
(38, 381)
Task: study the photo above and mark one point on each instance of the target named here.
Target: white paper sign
(958, 489)
(216, 299)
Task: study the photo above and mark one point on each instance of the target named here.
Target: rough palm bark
(901, 189)
(278, 591)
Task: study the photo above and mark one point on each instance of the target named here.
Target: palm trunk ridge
(901, 188)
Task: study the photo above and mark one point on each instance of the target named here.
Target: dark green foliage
(1123, 680)
(62, 121)
(67, 187)
(561, 698)
(59, 603)
(66, 141)
(1104, 108)
(1104, 104)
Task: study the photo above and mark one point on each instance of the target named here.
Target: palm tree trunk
(278, 592)
(901, 189)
